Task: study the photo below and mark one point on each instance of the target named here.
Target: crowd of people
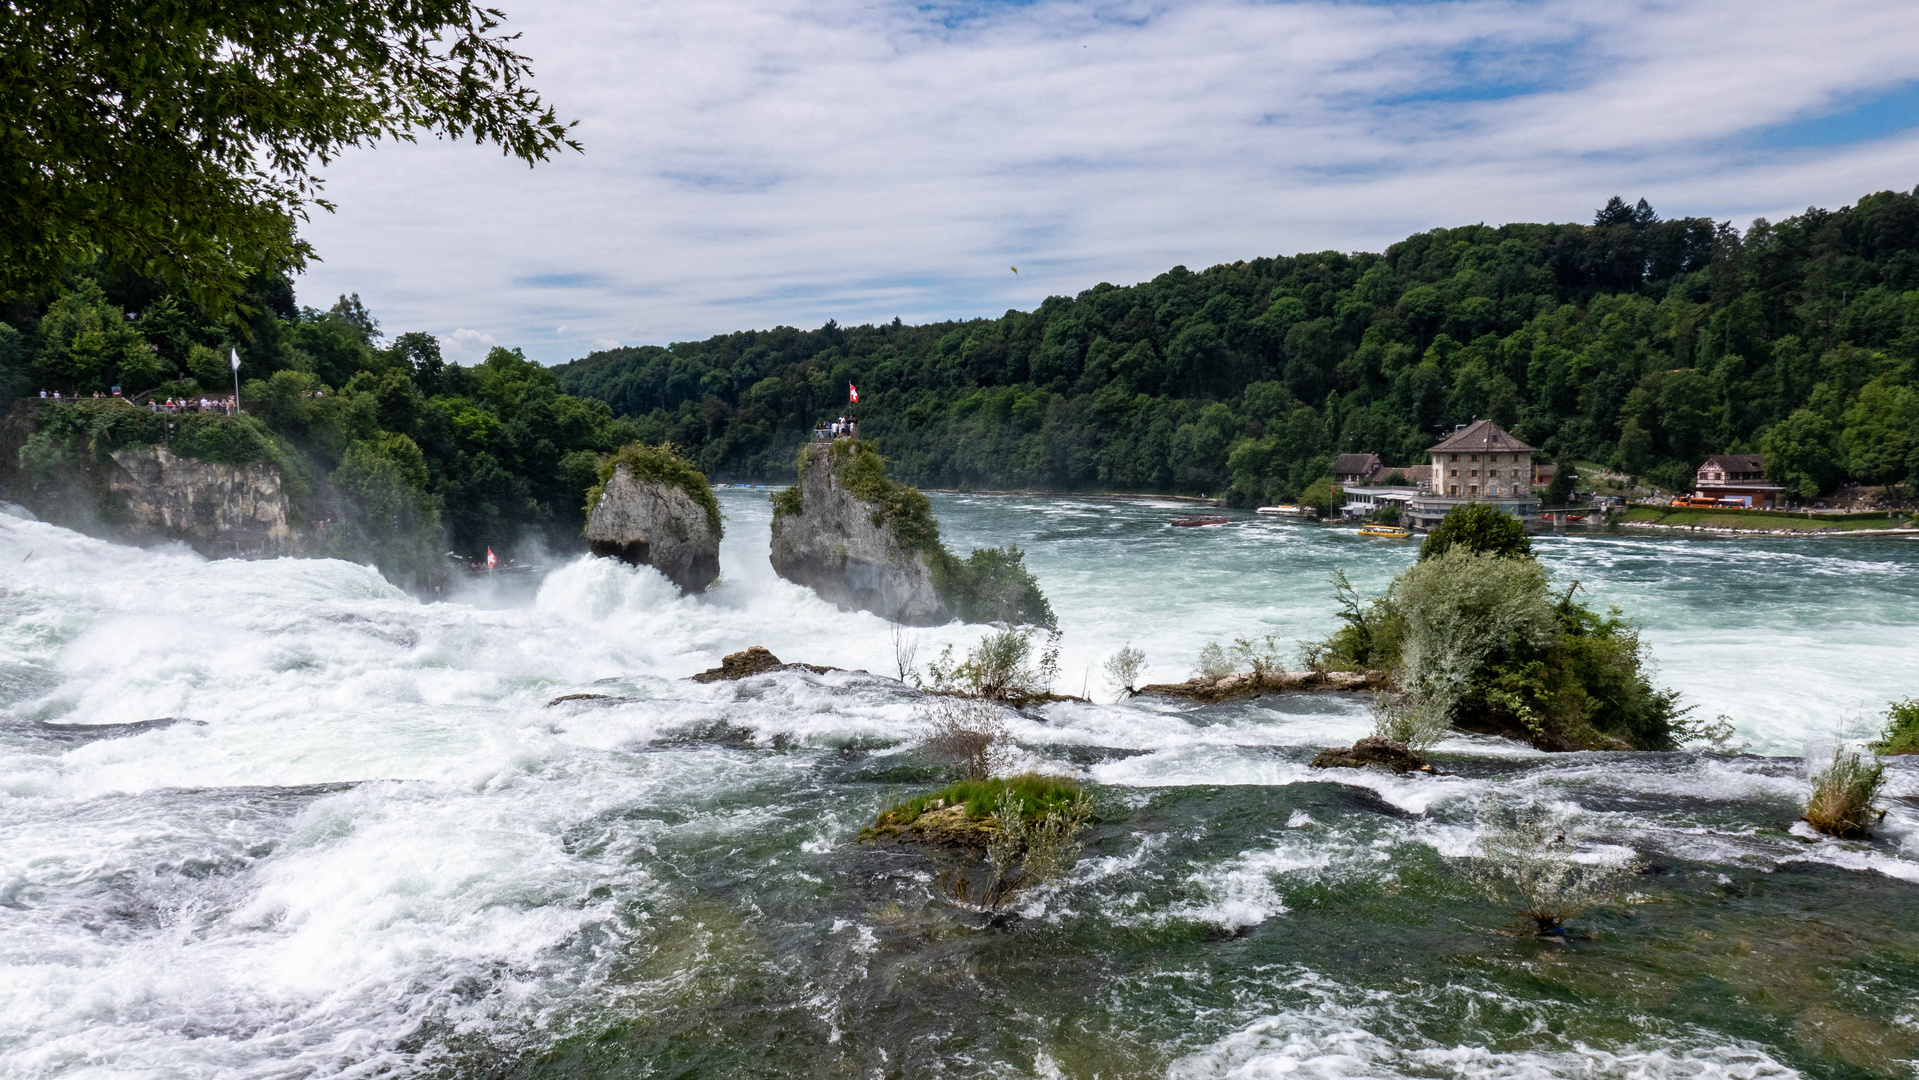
(841, 428)
(225, 406)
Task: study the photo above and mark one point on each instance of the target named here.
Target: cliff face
(650, 523)
(218, 509)
(841, 547)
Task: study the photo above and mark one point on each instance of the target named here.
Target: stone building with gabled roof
(1479, 462)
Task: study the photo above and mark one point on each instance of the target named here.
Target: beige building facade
(1479, 463)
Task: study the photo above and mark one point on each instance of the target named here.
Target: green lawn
(1735, 519)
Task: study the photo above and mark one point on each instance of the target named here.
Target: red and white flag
(492, 560)
(853, 392)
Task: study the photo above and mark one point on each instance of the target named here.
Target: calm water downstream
(370, 849)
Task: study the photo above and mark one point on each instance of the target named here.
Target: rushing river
(367, 846)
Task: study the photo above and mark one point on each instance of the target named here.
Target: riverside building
(1478, 463)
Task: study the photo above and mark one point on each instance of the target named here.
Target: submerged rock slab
(652, 523)
(1201, 688)
(1372, 750)
(846, 549)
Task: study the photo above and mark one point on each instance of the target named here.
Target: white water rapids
(369, 847)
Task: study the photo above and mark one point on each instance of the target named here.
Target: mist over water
(367, 846)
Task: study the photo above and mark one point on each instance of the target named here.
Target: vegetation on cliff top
(1633, 342)
(662, 465)
(1476, 640)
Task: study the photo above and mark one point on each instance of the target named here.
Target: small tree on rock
(1480, 528)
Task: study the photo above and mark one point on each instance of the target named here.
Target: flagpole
(236, 382)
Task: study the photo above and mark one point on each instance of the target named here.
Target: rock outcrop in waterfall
(653, 508)
(217, 488)
(217, 509)
(868, 543)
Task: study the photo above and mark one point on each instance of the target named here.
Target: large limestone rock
(657, 524)
(218, 509)
(832, 543)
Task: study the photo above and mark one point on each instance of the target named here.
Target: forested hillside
(401, 452)
(1632, 341)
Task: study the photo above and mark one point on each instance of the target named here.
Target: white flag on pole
(236, 359)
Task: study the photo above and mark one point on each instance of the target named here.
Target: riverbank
(1763, 523)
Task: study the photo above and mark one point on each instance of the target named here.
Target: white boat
(1287, 511)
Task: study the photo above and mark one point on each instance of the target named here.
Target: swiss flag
(853, 392)
(492, 560)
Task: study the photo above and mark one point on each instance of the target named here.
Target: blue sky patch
(1861, 118)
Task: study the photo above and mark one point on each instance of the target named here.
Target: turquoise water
(372, 848)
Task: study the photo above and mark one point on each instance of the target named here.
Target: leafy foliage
(1559, 490)
(969, 733)
(1901, 734)
(1480, 528)
(663, 465)
(1000, 668)
(992, 585)
(1525, 860)
(177, 139)
(1634, 342)
(1124, 668)
(1474, 640)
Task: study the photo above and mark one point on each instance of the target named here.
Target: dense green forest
(382, 438)
(1635, 342)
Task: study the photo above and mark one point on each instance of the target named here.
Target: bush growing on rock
(992, 585)
(1477, 527)
(1525, 861)
(1028, 829)
(1843, 794)
(1901, 733)
(1476, 640)
(1258, 656)
(968, 733)
(1000, 668)
(1124, 668)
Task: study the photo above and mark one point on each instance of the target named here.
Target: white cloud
(466, 346)
(757, 162)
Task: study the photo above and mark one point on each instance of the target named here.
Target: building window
(1454, 490)
(1472, 489)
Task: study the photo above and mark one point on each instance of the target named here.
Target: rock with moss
(867, 543)
(857, 538)
(653, 508)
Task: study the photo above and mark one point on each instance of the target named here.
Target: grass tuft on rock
(1841, 802)
(660, 464)
(1033, 794)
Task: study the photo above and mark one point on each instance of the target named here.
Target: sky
(756, 163)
